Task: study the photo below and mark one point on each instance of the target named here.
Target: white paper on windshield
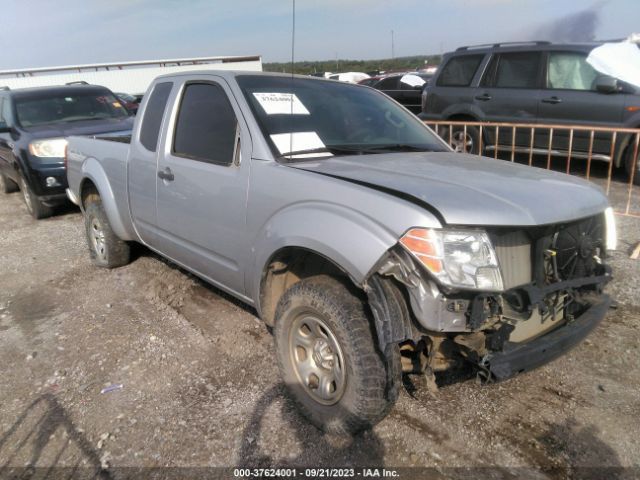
(281, 103)
(297, 141)
(620, 60)
(412, 80)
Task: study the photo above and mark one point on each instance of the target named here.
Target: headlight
(457, 258)
(610, 225)
(53, 147)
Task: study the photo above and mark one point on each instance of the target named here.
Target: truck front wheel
(35, 207)
(329, 358)
(105, 248)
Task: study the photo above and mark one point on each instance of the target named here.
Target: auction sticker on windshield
(281, 103)
(297, 142)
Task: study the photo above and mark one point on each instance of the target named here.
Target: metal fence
(577, 150)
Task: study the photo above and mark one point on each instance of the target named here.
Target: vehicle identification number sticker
(281, 103)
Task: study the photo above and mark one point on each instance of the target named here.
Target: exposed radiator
(514, 254)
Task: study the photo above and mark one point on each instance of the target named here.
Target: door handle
(484, 97)
(166, 175)
(552, 100)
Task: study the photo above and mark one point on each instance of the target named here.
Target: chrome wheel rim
(26, 195)
(317, 359)
(461, 142)
(96, 236)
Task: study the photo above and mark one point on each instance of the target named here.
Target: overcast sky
(37, 33)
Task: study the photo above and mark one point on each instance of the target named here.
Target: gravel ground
(200, 385)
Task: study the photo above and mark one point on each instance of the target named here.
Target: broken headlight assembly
(457, 258)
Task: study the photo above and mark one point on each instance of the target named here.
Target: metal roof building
(127, 77)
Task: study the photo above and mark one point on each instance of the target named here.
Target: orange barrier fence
(607, 156)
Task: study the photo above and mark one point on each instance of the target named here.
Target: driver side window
(570, 71)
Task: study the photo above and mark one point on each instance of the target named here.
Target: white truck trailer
(127, 77)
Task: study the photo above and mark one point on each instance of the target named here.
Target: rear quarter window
(459, 71)
(150, 129)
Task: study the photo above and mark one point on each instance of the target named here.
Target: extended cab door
(143, 162)
(202, 181)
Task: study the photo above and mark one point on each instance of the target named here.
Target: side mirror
(4, 128)
(606, 84)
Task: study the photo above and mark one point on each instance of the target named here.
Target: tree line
(339, 65)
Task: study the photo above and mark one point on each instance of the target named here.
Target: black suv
(537, 82)
(34, 124)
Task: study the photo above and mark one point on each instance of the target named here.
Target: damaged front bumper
(517, 358)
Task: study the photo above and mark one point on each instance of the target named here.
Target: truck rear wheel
(105, 248)
(35, 207)
(329, 358)
(7, 185)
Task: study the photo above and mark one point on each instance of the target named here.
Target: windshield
(73, 107)
(307, 118)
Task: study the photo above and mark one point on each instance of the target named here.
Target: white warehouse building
(126, 77)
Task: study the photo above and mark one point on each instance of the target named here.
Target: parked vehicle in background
(130, 102)
(352, 228)
(536, 82)
(405, 88)
(34, 124)
(349, 77)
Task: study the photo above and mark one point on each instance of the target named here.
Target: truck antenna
(293, 44)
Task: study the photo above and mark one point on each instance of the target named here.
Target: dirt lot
(200, 385)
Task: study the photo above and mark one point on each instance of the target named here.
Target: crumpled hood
(81, 128)
(468, 190)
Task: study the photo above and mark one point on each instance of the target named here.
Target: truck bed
(103, 161)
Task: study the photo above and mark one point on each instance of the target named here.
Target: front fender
(93, 171)
(349, 239)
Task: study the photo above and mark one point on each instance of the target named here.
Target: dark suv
(34, 124)
(537, 82)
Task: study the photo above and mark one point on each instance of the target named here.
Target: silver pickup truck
(355, 232)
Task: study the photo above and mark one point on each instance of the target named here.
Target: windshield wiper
(355, 150)
(396, 147)
(84, 119)
(327, 149)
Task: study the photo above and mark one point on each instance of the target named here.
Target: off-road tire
(35, 207)
(7, 185)
(110, 251)
(372, 380)
(628, 164)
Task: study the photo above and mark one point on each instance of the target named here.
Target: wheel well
(87, 187)
(288, 266)
(461, 116)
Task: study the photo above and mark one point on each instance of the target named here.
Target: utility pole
(392, 48)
